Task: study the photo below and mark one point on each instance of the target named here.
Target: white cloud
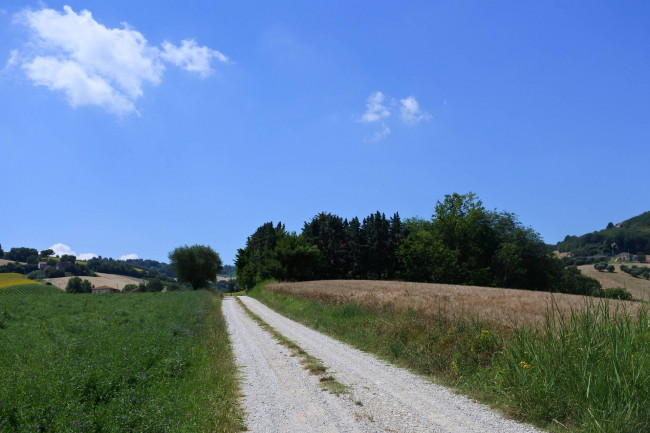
(410, 111)
(382, 134)
(131, 256)
(62, 249)
(86, 256)
(80, 88)
(375, 108)
(12, 60)
(96, 65)
(191, 57)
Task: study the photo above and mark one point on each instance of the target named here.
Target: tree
(601, 266)
(76, 285)
(611, 268)
(20, 254)
(47, 253)
(610, 225)
(641, 257)
(154, 285)
(2, 253)
(197, 264)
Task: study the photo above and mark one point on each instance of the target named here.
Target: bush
(615, 293)
(600, 266)
(610, 268)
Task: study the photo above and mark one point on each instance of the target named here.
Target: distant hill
(631, 236)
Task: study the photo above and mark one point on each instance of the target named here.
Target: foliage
(250, 261)
(632, 235)
(47, 253)
(76, 285)
(615, 293)
(148, 363)
(463, 243)
(637, 271)
(20, 254)
(196, 264)
(2, 253)
(600, 266)
(588, 372)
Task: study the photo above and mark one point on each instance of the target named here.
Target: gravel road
(280, 396)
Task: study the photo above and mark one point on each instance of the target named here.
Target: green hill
(632, 236)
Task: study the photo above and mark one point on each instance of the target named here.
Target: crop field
(152, 362)
(564, 363)
(638, 287)
(30, 289)
(506, 308)
(111, 280)
(12, 279)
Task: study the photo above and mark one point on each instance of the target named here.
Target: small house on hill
(626, 257)
(105, 289)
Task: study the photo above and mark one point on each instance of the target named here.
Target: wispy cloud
(378, 108)
(381, 134)
(375, 109)
(191, 57)
(410, 112)
(131, 256)
(96, 65)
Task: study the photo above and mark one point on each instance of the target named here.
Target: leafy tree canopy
(196, 264)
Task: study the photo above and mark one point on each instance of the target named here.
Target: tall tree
(196, 264)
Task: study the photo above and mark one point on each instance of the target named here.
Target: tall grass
(582, 372)
(152, 362)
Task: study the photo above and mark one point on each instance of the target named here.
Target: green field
(151, 362)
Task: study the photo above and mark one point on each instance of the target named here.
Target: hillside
(638, 287)
(112, 280)
(632, 236)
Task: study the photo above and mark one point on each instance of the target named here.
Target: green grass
(152, 362)
(585, 373)
(30, 289)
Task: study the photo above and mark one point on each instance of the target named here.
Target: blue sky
(133, 129)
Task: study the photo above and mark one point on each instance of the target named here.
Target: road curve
(383, 398)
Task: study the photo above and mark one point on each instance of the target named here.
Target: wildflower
(524, 364)
(484, 332)
(454, 366)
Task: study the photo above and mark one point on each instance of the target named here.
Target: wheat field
(13, 279)
(502, 307)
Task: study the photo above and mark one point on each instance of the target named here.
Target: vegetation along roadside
(158, 362)
(582, 371)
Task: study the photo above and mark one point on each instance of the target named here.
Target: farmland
(112, 280)
(12, 279)
(505, 308)
(565, 363)
(638, 287)
(152, 362)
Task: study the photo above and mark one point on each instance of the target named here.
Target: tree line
(631, 236)
(462, 243)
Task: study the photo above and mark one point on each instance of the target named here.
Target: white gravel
(282, 397)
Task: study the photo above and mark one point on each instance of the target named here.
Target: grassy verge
(313, 365)
(589, 371)
(155, 362)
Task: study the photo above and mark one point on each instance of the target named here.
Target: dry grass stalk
(501, 307)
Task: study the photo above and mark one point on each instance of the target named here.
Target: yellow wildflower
(524, 364)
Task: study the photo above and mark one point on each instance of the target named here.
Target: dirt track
(280, 396)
